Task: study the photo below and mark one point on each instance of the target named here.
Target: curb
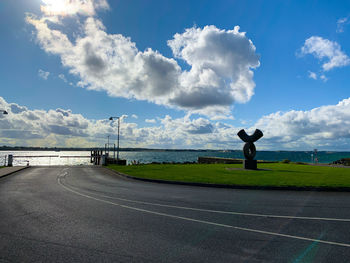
(2, 176)
(247, 187)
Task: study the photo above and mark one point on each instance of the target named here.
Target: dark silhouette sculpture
(249, 149)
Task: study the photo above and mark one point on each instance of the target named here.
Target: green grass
(275, 174)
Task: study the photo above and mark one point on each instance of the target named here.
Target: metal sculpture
(249, 149)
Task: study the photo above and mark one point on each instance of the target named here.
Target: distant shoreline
(128, 149)
(6, 148)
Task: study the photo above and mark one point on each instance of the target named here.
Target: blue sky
(180, 72)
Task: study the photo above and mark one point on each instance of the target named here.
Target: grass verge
(272, 174)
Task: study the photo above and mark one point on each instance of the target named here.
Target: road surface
(89, 214)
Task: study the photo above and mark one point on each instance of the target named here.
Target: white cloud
(312, 75)
(322, 49)
(324, 78)
(22, 123)
(43, 74)
(220, 74)
(64, 128)
(72, 7)
(341, 23)
(134, 116)
(150, 120)
(325, 127)
(62, 77)
(307, 129)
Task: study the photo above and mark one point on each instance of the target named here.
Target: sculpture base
(250, 164)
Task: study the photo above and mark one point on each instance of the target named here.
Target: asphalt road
(89, 214)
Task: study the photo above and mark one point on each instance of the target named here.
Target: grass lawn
(274, 174)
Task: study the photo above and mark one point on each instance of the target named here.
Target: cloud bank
(61, 127)
(221, 62)
(324, 127)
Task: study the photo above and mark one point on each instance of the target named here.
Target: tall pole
(108, 143)
(111, 119)
(118, 140)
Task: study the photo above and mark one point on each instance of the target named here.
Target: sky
(180, 74)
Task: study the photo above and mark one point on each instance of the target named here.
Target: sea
(41, 158)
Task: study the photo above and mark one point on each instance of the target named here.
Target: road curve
(90, 214)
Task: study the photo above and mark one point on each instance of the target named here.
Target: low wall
(115, 161)
(210, 160)
(219, 160)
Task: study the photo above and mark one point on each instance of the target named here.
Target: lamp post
(111, 119)
(108, 143)
(9, 163)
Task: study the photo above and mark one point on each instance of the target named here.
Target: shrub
(285, 161)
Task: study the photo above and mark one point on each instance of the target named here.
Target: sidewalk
(10, 170)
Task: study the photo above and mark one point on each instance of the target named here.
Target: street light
(111, 119)
(108, 143)
(8, 162)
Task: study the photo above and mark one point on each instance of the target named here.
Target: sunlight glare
(55, 7)
(67, 7)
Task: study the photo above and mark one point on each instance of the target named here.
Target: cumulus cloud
(62, 127)
(324, 49)
(322, 126)
(324, 78)
(22, 123)
(150, 120)
(134, 116)
(220, 65)
(312, 75)
(195, 133)
(63, 77)
(200, 126)
(72, 7)
(43, 74)
(15, 108)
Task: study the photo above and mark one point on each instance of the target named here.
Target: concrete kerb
(11, 170)
(248, 187)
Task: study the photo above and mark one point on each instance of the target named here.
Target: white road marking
(203, 221)
(225, 212)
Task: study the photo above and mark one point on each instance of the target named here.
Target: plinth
(250, 164)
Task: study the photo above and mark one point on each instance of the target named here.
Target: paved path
(89, 214)
(10, 170)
